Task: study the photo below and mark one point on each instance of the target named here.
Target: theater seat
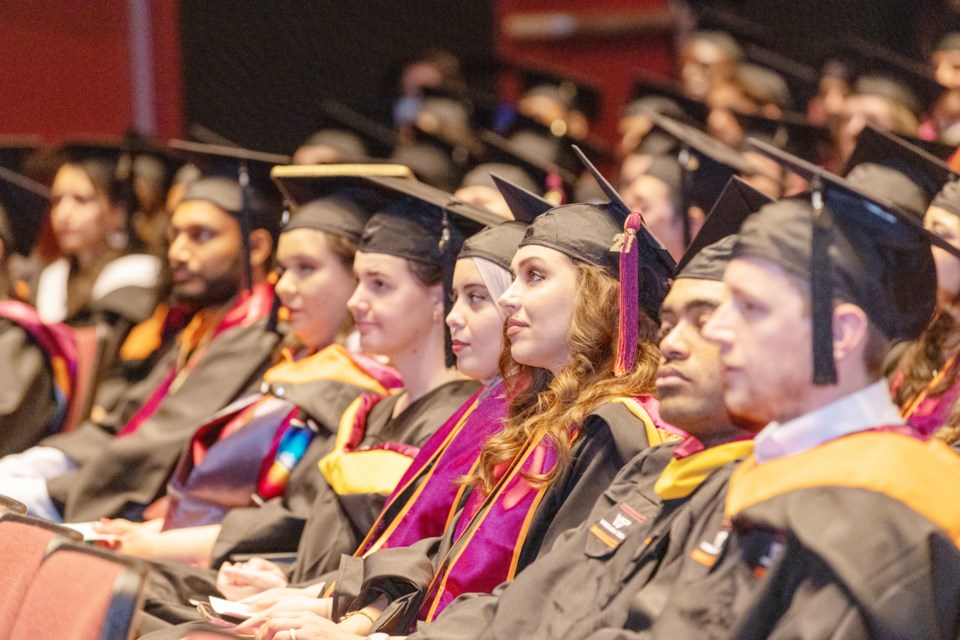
(24, 541)
(81, 593)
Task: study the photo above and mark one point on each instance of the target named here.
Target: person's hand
(270, 597)
(245, 579)
(322, 607)
(306, 626)
(133, 538)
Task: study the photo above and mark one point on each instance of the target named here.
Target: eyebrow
(692, 305)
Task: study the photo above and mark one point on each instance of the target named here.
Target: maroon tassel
(629, 295)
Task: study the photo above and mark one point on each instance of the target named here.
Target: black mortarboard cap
(349, 146)
(379, 138)
(24, 205)
(14, 151)
(695, 111)
(483, 175)
(883, 72)
(708, 165)
(499, 244)
(537, 159)
(575, 94)
(707, 256)
(790, 132)
(423, 224)
(464, 150)
(881, 147)
(523, 204)
(331, 198)
(238, 181)
(586, 232)
(848, 244)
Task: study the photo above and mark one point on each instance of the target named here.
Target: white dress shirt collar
(867, 408)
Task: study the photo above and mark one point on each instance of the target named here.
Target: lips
(514, 326)
(458, 345)
(182, 275)
(668, 376)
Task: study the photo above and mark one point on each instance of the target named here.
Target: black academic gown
(589, 582)
(610, 437)
(311, 519)
(121, 476)
(28, 406)
(862, 557)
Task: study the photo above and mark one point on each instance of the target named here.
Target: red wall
(65, 68)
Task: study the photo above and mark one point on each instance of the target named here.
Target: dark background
(254, 72)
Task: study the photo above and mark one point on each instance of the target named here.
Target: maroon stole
(492, 529)
(426, 495)
(251, 306)
(59, 346)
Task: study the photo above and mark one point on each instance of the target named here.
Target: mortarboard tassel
(821, 292)
(629, 294)
(246, 222)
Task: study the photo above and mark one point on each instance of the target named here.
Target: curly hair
(928, 354)
(552, 406)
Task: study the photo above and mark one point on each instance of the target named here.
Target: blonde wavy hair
(552, 406)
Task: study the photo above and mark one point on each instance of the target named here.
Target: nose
(718, 329)
(509, 301)
(357, 304)
(455, 319)
(285, 287)
(178, 252)
(673, 346)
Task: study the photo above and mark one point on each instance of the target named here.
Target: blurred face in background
(81, 217)
(314, 286)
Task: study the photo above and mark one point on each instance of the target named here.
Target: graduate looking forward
(842, 522)
(578, 412)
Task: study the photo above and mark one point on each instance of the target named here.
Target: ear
(697, 218)
(261, 248)
(850, 326)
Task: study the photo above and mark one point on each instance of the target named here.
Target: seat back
(24, 542)
(9, 504)
(82, 593)
(89, 343)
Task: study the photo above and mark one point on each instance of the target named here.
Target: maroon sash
(425, 496)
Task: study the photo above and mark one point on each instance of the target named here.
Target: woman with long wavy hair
(926, 383)
(579, 369)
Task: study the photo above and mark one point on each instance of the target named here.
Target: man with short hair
(635, 531)
(117, 466)
(843, 522)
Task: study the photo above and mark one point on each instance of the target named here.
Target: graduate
(638, 527)
(248, 455)
(398, 309)
(840, 524)
(926, 381)
(535, 479)
(118, 465)
(428, 495)
(40, 359)
(95, 278)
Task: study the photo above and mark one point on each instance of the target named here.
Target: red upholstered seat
(81, 593)
(23, 544)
